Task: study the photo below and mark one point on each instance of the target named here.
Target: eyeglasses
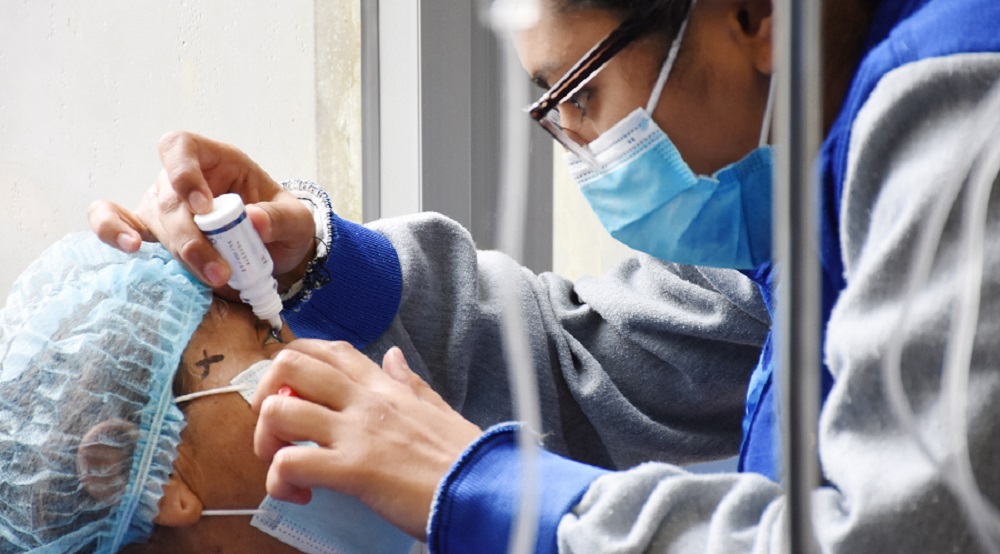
(545, 111)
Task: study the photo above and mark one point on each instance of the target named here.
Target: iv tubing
(983, 514)
(513, 204)
(955, 466)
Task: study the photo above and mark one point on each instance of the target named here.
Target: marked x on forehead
(206, 362)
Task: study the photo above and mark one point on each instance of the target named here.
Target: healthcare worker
(644, 364)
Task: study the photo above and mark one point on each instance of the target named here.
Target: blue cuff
(476, 502)
(362, 293)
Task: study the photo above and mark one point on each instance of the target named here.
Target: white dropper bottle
(232, 234)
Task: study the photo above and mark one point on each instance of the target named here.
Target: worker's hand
(195, 170)
(384, 436)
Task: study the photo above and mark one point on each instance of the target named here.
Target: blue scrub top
(902, 31)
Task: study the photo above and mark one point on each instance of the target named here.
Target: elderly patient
(94, 452)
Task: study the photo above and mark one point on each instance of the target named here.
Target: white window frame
(431, 95)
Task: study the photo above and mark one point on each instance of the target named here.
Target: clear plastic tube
(506, 17)
(965, 318)
(233, 236)
(955, 465)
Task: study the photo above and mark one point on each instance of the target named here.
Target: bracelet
(318, 201)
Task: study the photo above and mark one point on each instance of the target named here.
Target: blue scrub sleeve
(476, 502)
(362, 290)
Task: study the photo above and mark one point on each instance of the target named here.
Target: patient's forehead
(229, 340)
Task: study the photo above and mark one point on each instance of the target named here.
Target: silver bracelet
(318, 201)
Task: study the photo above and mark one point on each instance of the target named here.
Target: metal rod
(799, 134)
(371, 177)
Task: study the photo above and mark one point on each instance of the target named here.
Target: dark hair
(59, 499)
(665, 16)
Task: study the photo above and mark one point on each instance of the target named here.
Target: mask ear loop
(210, 392)
(247, 512)
(221, 390)
(668, 64)
(765, 127)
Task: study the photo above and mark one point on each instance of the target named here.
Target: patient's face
(216, 458)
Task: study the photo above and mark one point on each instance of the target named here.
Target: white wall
(89, 87)
(338, 101)
(580, 244)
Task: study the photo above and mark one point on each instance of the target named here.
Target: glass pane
(580, 245)
(89, 87)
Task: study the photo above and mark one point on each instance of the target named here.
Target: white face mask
(330, 523)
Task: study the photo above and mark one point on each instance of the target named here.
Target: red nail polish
(285, 390)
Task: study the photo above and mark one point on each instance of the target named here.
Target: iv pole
(799, 132)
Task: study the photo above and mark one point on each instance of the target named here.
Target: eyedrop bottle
(231, 233)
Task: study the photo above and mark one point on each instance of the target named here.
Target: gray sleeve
(910, 141)
(648, 362)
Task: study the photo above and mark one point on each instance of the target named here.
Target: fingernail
(285, 390)
(215, 274)
(127, 242)
(200, 204)
(400, 358)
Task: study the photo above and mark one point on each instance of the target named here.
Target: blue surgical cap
(90, 339)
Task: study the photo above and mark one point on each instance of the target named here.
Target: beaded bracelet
(318, 201)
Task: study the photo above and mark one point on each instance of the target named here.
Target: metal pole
(370, 136)
(799, 134)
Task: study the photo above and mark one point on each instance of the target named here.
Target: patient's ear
(180, 506)
(104, 458)
(103, 464)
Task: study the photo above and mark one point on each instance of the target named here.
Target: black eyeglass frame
(579, 75)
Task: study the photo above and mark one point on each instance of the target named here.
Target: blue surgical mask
(647, 197)
(330, 523)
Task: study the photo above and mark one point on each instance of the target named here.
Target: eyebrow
(540, 82)
(542, 75)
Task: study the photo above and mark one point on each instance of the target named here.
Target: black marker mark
(207, 362)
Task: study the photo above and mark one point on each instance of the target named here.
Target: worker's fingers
(282, 219)
(388, 443)
(295, 469)
(117, 226)
(199, 168)
(284, 420)
(394, 364)
(342, 357)
(184, 160)
(196, 169)
(125, 230)
(190, 246)
(310, 378)
(170, 221)
(287, 228)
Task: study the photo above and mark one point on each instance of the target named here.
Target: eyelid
(263, 332)
(581, 98)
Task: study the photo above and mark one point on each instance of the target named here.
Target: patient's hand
(195, 170)
(384, 436)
